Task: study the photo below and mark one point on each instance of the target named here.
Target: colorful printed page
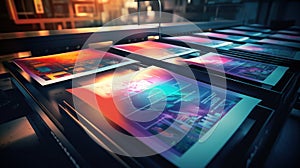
(286, 37)
(269, 50)
(60, 67)
(279, 42)
(255, 71)
(201, 115)
(200, 41)
(239, 32)
(156, 50)
(288, 32)
(223, 36)
(252, 29)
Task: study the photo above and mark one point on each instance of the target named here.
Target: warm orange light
(102, 1)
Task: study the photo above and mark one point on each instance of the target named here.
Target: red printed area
(156, 50)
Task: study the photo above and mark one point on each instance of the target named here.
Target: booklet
(155, 50)
(60, 67)
(200, 41)
(252, 70)
(223, 36)
(270, 50)
(192, 119)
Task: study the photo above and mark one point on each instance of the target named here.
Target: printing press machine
(67, 123)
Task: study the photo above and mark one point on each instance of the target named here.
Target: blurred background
(31, 15)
